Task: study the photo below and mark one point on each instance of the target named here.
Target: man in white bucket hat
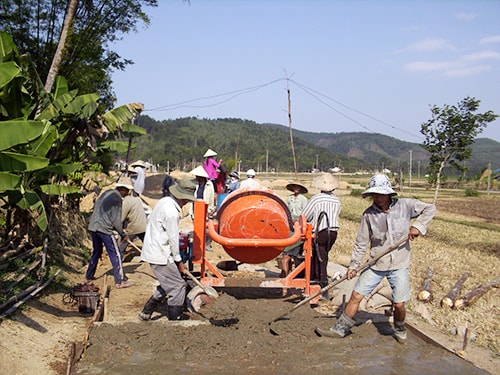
(385, 222)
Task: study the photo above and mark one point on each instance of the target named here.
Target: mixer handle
(255, 242)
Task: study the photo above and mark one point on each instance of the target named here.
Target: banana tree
(47, 137)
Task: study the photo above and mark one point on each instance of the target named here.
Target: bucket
(87, 297)
(220, 199)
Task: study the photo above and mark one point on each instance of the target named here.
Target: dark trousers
(99, 240)
(320, 255)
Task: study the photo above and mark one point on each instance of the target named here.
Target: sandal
(124, 284)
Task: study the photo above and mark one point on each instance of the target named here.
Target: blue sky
(362, 66)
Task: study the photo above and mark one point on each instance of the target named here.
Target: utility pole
(317, 162)
(290, 125)
(410, 168)
(267, 161)
(489, 177)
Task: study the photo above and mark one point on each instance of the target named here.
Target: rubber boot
(176, 313)
(341, 329)
(400, 331)
(149, 308)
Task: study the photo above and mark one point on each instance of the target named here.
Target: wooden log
(476, 293)
(425, 293)
(449, 299)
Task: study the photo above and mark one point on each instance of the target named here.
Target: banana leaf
(9, 181)
(59, 189)
(14, 162)
(8, 71)
(131, 130)
(17, 132)
(31, 201)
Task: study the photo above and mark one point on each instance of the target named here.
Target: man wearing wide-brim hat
(388, 221)
(323, 211)
(104, 222)
(161, 251)
(138, 176)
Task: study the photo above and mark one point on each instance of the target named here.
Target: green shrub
(471, 193)
(356, 192)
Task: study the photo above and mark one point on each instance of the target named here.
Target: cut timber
(475, 294)
(425, 294)
(449, 299)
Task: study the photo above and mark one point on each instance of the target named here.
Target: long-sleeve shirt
(107, 215)
(139, 180)
(210, 166)
(326, 202)
(208, 196)
(134, 215)
(380, 229)
(161, 241)
(296, 205)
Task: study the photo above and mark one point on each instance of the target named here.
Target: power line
(307, 89)
(233, 94)
(313, 93)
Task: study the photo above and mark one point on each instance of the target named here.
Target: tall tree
(450, 133)
(88, 60)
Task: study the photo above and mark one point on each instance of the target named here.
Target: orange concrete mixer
(253, 226)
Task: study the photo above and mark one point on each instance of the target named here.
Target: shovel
(359, 270)
(211, 292)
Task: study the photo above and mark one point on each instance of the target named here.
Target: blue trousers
(98, 241)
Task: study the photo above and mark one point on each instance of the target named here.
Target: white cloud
(467, 71)
(428, 45)
(466, 16)
(428, 66)
(490, 39)
(483, 55)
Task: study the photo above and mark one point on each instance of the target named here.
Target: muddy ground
(234, 334)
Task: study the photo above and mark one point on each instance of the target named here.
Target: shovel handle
(134, 246)
(338, 281)
(197, 282)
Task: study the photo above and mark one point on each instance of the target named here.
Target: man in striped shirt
(323, 211)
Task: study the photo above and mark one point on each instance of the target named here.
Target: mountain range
(181, 143)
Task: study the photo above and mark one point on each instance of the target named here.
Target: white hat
(209, 152)
(379, 184)
(124, 182)
(325, 182)
(251, 173)
(138, 163)
(199, 171)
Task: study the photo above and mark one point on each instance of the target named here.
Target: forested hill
(182, 143)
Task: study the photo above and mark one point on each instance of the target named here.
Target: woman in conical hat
(211, 165)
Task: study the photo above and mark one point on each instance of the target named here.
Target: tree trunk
(475, 294)
(58, 56)
(449, 299)
(438, 181)
(425, 293)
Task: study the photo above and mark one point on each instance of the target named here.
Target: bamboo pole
(29, 296)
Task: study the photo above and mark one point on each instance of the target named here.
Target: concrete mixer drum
(254, 215)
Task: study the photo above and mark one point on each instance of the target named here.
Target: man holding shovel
(386, 221)
(161, 251)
